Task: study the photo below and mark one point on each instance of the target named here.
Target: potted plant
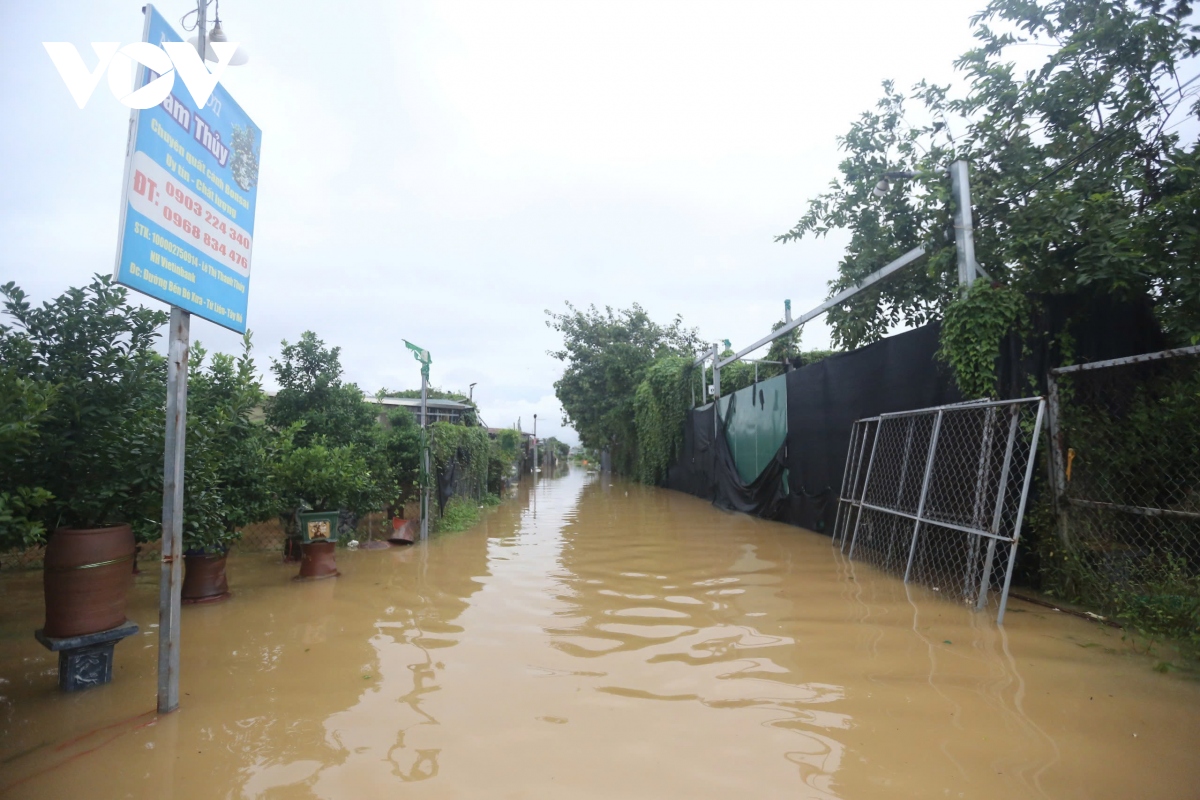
(23, 404)
(317, 482)
(96, 465)
(227, 475)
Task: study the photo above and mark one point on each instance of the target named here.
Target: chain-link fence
(862, 442)
(941, 496)
(1125, 470)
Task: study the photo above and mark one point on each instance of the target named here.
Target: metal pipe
(171, 565)
(856, 501)
(837, 519)
(1012, 553)
(1001, 494)
(958, 406)
(1058, 482)
(1118, 362)
(866, 482)
(425, 453)
(933, 440)
(964, 232)
(838, 299)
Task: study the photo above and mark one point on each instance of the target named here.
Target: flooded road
(595, 640)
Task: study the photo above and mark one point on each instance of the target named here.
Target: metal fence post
(933, 439)
(981, 471)
(912, 426)
(1012, 552)
(863, 499)
(1001, 495)
(1058, 479)
(837, 519)
(716, 391)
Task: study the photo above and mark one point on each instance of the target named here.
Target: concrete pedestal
(86, 661)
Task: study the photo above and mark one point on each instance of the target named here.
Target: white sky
(444, 172)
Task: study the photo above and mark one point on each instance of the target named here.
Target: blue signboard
(191, 187)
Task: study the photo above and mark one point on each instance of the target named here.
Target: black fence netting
(900, 373)
(823, 401)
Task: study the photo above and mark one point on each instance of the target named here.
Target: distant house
(439, 410)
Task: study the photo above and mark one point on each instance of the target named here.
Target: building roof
(415, 402)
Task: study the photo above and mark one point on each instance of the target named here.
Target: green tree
(661, 404)
(322, 477)
(607, 354)
(23, 405)
(229, 462)
(311, 391)
(99, 442)
(1080, 174)
(396, 452)
(503, 452)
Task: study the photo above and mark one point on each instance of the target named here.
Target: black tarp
(824, 399)
(706, 468)
(899, 373)
(693, 470)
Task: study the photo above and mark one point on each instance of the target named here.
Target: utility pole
(964, 231)
(535, 448)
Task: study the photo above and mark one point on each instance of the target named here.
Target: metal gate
(938, 495)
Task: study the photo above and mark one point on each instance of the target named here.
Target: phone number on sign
(198, 230)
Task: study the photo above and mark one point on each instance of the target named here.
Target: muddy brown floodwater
(601, 641)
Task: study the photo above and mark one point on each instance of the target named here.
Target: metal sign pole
(171, 569)
(425, 453)
(170, 585)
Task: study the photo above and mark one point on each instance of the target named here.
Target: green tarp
(758, 425)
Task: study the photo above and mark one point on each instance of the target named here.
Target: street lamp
(217, 34)
(471, 393)
(964, 231)
(883, 187)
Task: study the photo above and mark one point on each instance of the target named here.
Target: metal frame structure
(968, 270)
(1058, 470)
(977, 467)
(850, 499)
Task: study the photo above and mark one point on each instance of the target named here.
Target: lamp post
(535, 445)
(964, 231)
(471, 393)
(217, 34)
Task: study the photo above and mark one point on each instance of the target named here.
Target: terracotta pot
(402, 532)
(318, 561)
(86, 579)
(204, 578)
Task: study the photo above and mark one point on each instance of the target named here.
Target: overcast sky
(444, 172)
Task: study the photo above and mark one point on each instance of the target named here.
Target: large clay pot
(403, 531)
(204, 578)
(86, 578)
(318, 561)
